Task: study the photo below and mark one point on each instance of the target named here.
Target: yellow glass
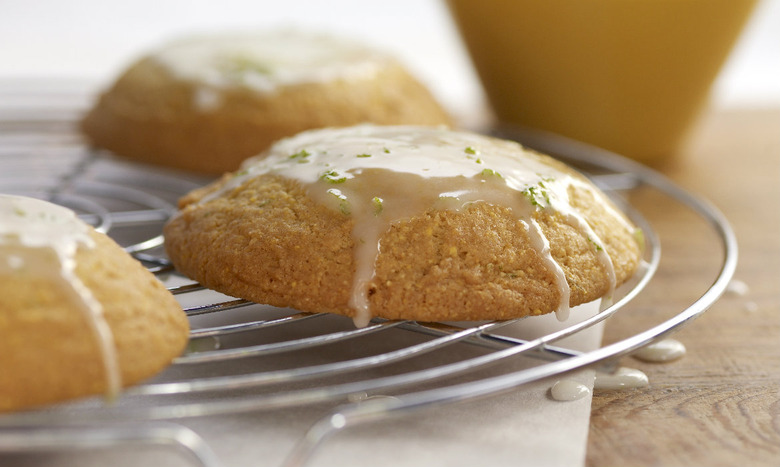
(626, 75)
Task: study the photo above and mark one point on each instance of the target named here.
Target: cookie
(206, 103)
(78, 315)
(405, 222)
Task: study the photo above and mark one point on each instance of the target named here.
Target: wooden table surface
(720, 404)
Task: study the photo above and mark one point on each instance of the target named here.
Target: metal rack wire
(226, 368)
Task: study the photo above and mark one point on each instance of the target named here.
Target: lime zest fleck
(241, 64)
(598, 247)
(471, 150)
(532, 196)
(490, 173)
(378, 205)
(639, 237)
(333, 176)
(538, 195)
(364, 155)
(302, 154)
(337, 193)
(343, 203)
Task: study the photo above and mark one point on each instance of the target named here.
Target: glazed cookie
(405, 222)
(206, 103)
(78, 315)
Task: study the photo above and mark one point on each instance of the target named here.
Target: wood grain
(720, 404)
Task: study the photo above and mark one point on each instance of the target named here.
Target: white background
(94, 39)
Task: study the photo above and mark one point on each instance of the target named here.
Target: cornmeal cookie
(405, 222)
(78, 315)
(207, 103)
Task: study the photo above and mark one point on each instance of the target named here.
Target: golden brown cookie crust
(49, 351)
(150, 116)
(267, 241)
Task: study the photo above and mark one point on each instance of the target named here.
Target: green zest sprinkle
(387, 151)
(337, 194)
(343, 203)
(240, 64)
(19, 211)
(531, 194)
(332, 176)
(470, 150)
(364, 155)
(241, 173)
(639, 236)
(378, 205)
(490, 173)
(302, 154)
(598, 247)
(538, 195)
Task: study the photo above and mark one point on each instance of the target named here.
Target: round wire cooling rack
(248, 357)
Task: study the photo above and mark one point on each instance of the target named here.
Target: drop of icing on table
(738, 288)
(751, 307)
(664, 350)
(568, 390)
(622, 378)
(382, 175)
(41, 239)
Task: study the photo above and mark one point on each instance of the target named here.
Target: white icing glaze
(382, 174)
(568, 390)
(540, 244)
(264, 61)
(42, 240)
(622, 378)
(664, 350)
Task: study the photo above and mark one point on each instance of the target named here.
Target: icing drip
(540, 244)
(381, 175)
(44, 239)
